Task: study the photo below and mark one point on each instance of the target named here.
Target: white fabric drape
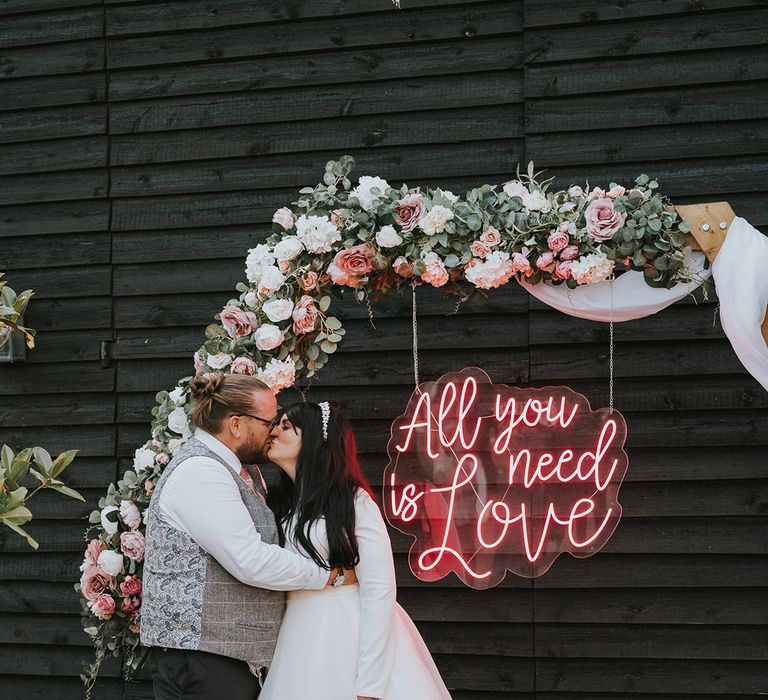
(632, 297)
(741, 275)
(740, 272)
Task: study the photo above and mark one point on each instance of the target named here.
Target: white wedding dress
(338, 643)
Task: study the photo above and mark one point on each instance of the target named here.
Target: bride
(344, 642)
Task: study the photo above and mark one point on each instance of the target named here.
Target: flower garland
(370, 238)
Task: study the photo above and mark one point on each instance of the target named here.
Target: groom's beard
(254, 452)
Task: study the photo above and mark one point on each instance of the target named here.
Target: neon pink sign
(490, 478)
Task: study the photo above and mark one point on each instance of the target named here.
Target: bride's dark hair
(328, 476)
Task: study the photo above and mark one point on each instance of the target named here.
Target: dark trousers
(198, 675)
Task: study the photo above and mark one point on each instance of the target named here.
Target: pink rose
(130, 513)
(491, 237)
(520, 264)
(131, 586)
(103, 606)
(243, 365)
(615, 192)
(350, 265)
(402, 267)
(92, 551)
(337, 218)
(129, 605)
(557, 240)
(132, 545)
(307, 280)
(94, 582)
(479, 249)
(149, 487)
(408, 211)
(304, 315)
(284, 218)
(546, 261)
(563, 269)
(237, 322)
(284, 266)
(597, 192)
(602, 220)
(135, 627)
(570, 252)
(162, 459)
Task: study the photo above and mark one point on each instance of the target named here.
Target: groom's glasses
(271, 423)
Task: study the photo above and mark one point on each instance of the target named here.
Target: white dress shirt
(202, 500)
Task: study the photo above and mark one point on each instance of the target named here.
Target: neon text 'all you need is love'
(490, 478)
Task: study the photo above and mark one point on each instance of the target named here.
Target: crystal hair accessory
(325, 408)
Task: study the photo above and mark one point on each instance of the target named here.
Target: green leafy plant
(14, 468)
(12, 306)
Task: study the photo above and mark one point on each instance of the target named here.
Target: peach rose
(243, 365)
(337, 218)
(563, 269)
(409, 211)
(479, 249)
(149, 487)
(307, 280)
(491, 237)
(305, 315)
(237, 322)
(132, 545)
(350, 265)
(94, 582)
(402, 267)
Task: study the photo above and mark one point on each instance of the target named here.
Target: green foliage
(14, 468)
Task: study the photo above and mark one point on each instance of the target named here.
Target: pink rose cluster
(101, 589)
(488, 240)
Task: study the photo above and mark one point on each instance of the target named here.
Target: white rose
(178, 396)
(317, 233)
(143, 459)
(109, 526)
(515, 188)
(218, 361)
(268, 337)
(283, 217)
(130, 514)
(288, 249)
(111, 563)
(435, 220)
(251, 299)
(536, 201)
(271, 280)
(174, 446)
(178, 421)
(450, 196)
(368, 189)
(387, 237)
(278, 309)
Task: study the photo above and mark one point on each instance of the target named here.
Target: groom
(214, 575)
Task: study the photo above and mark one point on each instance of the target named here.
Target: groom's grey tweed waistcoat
(190, 601)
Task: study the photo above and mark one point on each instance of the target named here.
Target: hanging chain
(415, 338)
(610, 352)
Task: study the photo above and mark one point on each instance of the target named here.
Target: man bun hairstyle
(217, 395)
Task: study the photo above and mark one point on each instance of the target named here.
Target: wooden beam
(708, 235)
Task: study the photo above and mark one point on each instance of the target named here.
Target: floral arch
(370, 238)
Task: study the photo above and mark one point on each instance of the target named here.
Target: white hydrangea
(365, 191)
(450, 196)
(536, 201)
(592, 268)
(278, 374)
(492, 272)
(259, 258)
(317, 233)
(435, 220)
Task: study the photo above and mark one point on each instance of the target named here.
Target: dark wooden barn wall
(144, 148)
